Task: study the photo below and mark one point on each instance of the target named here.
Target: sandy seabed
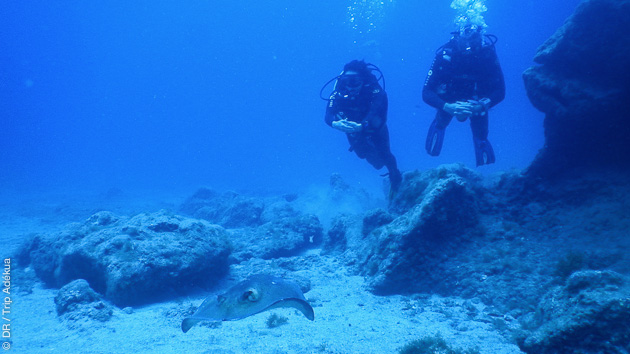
(348, 318)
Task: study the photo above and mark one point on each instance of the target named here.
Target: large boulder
(374, 219)
(589, 314)
(583, 86)
(418, 184)
(132, 260)
(233, 210)
(266, 228)
(284, 237)
(77, 301)
(407, 254)
(335, 240)
(228, 209)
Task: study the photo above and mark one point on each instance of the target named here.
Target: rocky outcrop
(407, 254)
(227, 209)
(132, 260)
(374, 219)
(583, 86)
(417, 185)
(335, 240)
(589, 314)
(284, 237)
(258, 227)
(76, 301)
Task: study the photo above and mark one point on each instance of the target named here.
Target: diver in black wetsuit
(465, 81)
(358, 107)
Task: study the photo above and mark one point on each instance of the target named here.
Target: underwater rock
(258, 227)
(288, 236)
(593, 279)
(407, 254)
(227, 209)
(278, 209)
(283, 237)
(345, 238)
(418, 184)
(335, 239)
(582, 87)
(76, 300)
(589, 314)
(338, 185)
(341, 192)
(136, 260)
(374, 219)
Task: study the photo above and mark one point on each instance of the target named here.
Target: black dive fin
(483, 152)
(435, 138)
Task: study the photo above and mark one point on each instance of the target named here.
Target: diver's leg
(357, 144)
(484, 154)
(381, 143)
(372, 154)
(435, 136)
(363, 146)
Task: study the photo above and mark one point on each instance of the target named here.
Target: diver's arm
(432, 82)
(430, 97)
(336, 121)
(494, 83)
(377, 115)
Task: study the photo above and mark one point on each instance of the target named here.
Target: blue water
(178, 94)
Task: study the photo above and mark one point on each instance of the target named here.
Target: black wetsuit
(369, 108)
(460, 75)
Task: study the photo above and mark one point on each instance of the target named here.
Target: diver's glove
(485, 102)
(480, 107)
(347, 126)
(460, 110)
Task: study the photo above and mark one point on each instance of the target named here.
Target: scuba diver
(358, 107)
(465, 81)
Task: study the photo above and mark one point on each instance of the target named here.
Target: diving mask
(351, 82)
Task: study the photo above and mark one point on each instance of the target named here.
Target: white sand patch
(348, 319)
